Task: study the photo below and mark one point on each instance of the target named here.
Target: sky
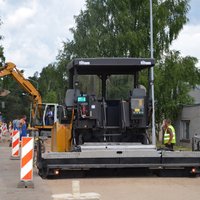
(188, 41)
(34, 31)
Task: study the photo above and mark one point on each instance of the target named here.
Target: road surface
(118, 188)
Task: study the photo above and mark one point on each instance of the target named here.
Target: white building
(188, 122)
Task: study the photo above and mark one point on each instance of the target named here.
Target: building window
(185, 129)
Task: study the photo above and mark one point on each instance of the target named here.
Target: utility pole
(152, 77)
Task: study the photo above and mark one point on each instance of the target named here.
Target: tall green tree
(121, 28)
(52, 83)
(17, 103)
(109, 28)
(175, 76)
(2, 58)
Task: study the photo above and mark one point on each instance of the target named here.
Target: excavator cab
(46, 114)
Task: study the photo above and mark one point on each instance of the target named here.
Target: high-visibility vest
(167, 135)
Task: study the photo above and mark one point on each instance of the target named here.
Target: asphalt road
(10, 177)
(140, 188)
(116, 188)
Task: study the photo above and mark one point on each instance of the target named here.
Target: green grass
(176, 147)
(182, 148)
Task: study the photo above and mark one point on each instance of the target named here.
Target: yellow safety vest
(167, 135)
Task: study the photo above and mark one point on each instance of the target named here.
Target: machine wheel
(80, 139)
(143, 139)
(43, 173)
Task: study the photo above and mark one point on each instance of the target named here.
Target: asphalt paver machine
(106, 132)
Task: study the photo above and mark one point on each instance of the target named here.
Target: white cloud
(188, 41)
(34, 30)
(2, 3)
(20, 17)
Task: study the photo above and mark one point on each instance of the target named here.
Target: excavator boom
(10, 69)
(39, 110)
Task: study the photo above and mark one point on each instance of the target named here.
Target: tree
(17, 103)
(52, 83)
(175, 76)
(2, 58)
(121, 28)
(109, 28)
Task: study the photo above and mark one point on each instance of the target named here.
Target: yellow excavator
(39, 110)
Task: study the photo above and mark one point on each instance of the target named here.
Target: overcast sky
(33, 31)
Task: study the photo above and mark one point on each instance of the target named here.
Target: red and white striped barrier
(0, 134)
(4, 129)
(10, 129)
(15, 144)
(26, 173)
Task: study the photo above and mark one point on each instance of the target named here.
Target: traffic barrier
(26, 173)
(0, 134)
(76, 195)
(10, 130)
(15, 145)
(4, 129)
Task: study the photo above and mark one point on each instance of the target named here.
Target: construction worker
(16, 124)
(23, 129)
(1, 118)
(49, 117)
(169, 134)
